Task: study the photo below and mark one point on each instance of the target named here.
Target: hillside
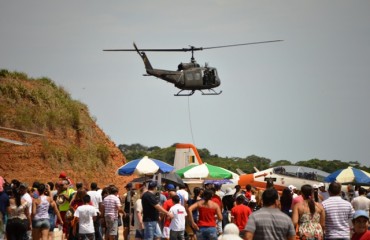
(72, 140)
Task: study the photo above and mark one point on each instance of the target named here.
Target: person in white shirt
(96, 200)
(138, 216)
(184, 194)
(361, 202)
(86, 215)
(177, 226)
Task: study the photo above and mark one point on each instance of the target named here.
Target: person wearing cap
(167, 206)
(338, 214)
(360, 221)
(322, 192)
(296, 198)
(151, 209)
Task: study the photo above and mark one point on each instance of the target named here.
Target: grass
(40, 105)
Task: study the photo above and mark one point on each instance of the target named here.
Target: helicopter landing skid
(211, 92)
(184, 94)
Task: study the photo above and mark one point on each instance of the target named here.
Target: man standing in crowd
(240, 214)
(361, 202)
(86, 216)
(269, 222)
(96, 199)
(127, 209)
(338, 214)
(112, 207)
(4, 202)
(167, 206)
(177, 226)
(323, 193)
(138, 216)
(151, 209)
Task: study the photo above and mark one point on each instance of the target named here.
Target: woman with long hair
(19, 220)
(286, 202)
(206, 221)
(40, 213)
(310, 216)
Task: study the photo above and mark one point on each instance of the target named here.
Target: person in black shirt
(151, 209)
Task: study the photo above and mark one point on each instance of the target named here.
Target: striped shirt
(270, 223)
(338, 214)
(111, 206)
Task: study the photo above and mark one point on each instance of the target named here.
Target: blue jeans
(207, 233)
(151, 230)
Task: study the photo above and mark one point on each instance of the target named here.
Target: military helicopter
(189, 77)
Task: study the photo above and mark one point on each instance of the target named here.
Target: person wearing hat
(360, 221)
(323, 193)
(231, 232)
(167, 206)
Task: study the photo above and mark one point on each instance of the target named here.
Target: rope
(191, 128)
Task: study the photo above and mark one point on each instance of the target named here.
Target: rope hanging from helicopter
(191, 127)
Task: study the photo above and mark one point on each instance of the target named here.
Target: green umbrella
(204, 171)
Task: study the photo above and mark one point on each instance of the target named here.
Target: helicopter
(189, 77)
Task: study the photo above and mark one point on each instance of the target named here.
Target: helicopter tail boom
(147, 64)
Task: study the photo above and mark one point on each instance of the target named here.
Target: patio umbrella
(205, 171)
(144, 166)
(349, 175)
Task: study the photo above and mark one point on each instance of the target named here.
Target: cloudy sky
(306, 97)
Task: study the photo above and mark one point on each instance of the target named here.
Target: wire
(191, 128)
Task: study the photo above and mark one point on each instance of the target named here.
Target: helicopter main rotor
(191, 49)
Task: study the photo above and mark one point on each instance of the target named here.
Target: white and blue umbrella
(144, 166)
(349, 175)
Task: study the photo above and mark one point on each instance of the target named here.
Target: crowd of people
(164, 211)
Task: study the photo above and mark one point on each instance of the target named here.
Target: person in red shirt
(206, 225)
(360, 222)
(167, 205)
(248, 193)
(240, 214)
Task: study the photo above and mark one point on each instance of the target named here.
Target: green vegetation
(39, 105)
(246, 164)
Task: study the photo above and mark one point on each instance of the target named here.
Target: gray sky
(306, 97)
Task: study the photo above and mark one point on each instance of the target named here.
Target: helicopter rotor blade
(190, 49)
(241, 44)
